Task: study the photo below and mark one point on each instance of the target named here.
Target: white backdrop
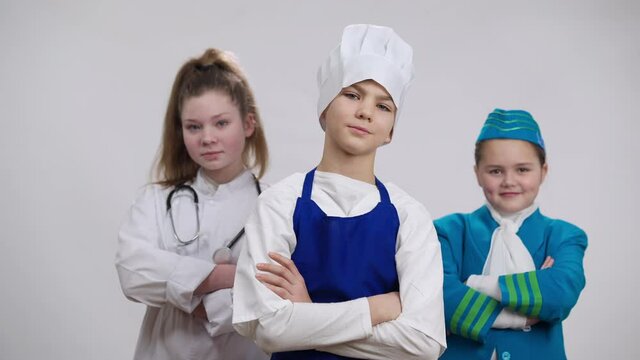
(84, 85)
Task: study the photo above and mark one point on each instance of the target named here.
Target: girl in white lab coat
(212, 139)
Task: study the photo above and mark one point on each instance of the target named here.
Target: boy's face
(360, 118)
(510, 174)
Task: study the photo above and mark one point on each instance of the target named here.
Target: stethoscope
(221, 255)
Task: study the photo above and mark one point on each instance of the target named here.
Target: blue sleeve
(550, 294)
(468, 313)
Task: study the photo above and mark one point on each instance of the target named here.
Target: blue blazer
(545, 294)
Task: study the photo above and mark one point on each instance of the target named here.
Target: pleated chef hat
(367, 52)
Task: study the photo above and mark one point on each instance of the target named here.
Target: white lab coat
(156, 270)
(342, 328)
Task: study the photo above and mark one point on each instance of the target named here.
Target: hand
(221, 277)
(200, 312)
(384, 307)
(284, 280)
(548, 262)
(532, 321)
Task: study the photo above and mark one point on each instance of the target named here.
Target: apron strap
(384, 195)
(308, 184)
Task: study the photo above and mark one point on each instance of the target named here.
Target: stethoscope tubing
(196, 202)
(190, 189)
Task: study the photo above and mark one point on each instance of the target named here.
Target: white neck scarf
(507, 254)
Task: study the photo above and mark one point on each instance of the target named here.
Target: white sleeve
(302, 326)
(488, 285)
(218, 306)
(148, 273)
(274, 323)
(419, 332)
(508, 319)
(390, 340)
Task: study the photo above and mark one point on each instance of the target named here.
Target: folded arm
(549, 294)
(507, 319)
(148, 273)
(390, 337)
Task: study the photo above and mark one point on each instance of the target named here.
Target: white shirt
(156, 270)
(342, 328)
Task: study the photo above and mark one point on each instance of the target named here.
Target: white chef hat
(367, 52)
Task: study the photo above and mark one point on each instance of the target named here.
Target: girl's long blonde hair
(214, 70)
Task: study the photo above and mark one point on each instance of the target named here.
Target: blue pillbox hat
(511, 124)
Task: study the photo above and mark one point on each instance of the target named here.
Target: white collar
(209, 187)
(347, 193)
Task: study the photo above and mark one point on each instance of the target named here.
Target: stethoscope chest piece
(222, 256)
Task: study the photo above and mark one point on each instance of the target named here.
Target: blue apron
(343, 259)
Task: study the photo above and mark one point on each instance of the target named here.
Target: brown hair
(542, 154)
(214, 70)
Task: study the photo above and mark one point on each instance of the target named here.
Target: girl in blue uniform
(511, 274)
(339, 265)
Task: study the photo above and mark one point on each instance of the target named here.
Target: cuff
(362, 306)
(185, 278)
(521, 293)
(486, 284)
(509, 320)
(474, 315)
(218, 306)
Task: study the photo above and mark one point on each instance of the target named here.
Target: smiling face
(510, 174)
(214, 134)
(359, 119)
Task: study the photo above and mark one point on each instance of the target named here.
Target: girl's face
(214, 134)
(360, 118)
(510, 174)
